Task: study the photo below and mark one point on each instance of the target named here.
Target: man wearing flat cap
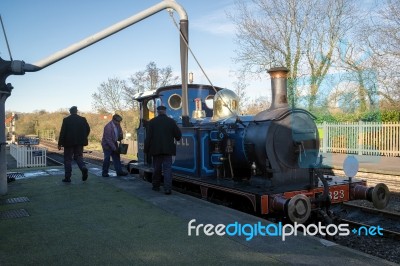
(160, 135)
(111, 135)
(73, 136)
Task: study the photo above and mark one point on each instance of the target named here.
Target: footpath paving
(121, 221)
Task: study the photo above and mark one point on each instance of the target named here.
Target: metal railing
(28, 156)
(47, 134)
(362, 138)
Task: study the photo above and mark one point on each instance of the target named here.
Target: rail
(47, 134)
(362, 216)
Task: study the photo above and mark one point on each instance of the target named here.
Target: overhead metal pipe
(19, 67)
(57, 56)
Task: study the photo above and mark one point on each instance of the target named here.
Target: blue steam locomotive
(267, 164)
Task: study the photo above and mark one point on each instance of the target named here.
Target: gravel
(385, 248)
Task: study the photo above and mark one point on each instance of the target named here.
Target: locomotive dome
(226, 104)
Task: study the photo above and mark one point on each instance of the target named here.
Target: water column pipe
(5, 92)
(19, 67)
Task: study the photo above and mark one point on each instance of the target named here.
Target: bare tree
(383, 36)
(327, 28)
(257, 105)
(147, 80)
(110, 96)
(301, 35)
(356, 62)
(240, 86)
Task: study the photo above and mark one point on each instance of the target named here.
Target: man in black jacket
(159, 143)
(73, 136)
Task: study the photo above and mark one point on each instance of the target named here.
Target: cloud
(216, 23)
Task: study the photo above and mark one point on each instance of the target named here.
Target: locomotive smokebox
(282, 142)
(278, 87)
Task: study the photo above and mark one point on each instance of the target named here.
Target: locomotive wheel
(299, 208)
(380, 196)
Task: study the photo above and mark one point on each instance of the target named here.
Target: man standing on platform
(73, 136)
(161, 133)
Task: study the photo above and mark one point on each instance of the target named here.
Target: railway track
(95, 157)
(382, 241)
(53, 148)
(369, 218)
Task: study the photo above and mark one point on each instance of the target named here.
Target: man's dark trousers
(162, 163)
(73, 153)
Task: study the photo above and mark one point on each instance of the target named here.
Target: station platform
(369, 164)
(121, 221)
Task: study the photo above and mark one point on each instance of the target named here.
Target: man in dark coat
(161, 133)
(73, 136)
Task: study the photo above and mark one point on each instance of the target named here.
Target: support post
(360, 141)
(325, 138)
(184, 41)
(5, 91)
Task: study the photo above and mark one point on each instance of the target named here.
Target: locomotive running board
(205, 186)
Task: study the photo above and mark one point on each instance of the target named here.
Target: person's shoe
(67, 180)
(123, 173)
(105, 175)
(167, 192)
(84, 174)
(156, 188)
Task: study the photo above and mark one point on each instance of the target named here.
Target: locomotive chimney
(278, 87)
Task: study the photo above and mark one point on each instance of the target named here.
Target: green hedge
(370, 116)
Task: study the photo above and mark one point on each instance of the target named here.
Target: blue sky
(37, 29)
